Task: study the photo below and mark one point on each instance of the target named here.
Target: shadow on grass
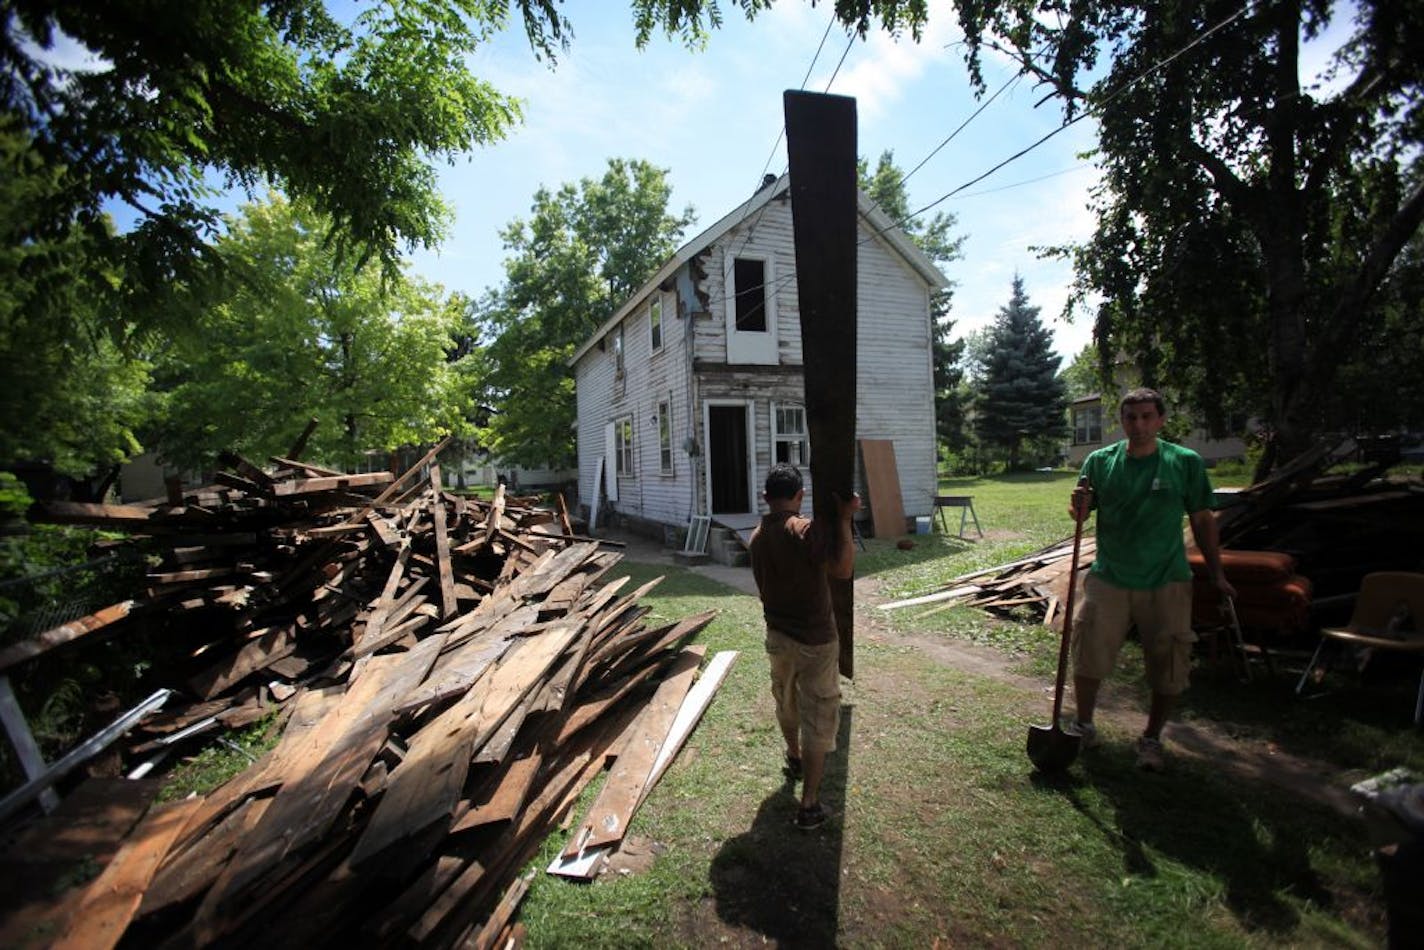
(780, 881)
(882, 555)
(1256, 845)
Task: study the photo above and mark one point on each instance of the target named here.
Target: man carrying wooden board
(793, 560)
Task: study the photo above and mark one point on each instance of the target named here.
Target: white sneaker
(1150, 755)
(1086, 731)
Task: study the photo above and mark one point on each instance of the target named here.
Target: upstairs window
(749, 278)
(618, 351)
(655, 323)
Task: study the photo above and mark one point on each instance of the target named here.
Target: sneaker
(813, 816)
(1086, 731)
(792, 768)
(1150, 755)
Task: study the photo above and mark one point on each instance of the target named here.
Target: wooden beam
(821, 153)
(448, 604)
(64, 633)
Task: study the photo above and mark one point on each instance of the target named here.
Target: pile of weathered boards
(451, 673)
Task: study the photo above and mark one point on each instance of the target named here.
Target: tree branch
(1343, 321)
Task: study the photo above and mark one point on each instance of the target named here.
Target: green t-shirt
(1140, 504)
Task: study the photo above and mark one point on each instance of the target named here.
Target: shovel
(1050, 749)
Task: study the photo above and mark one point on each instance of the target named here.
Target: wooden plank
(191, 869)
(448, 604)
(564, 522)
(384, 603)
(821, 156)
(80, 512)
(427, 783)
(300, 445)
(309, 711)
(882, 480)
(500, 917)
(587, 863)
(503, 796)
(38, 863)
(394, 487)
(271, 646)
(336, 754)
(953, 593)
(307, 486)
(110, 901)
(65, 633)
(247, 470)
(608, 817)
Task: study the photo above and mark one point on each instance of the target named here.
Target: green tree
(347, 114)
(584, 250)
(306, 332)
(1081, 377)
(1021, 402)
(73, 397)
(886, 187)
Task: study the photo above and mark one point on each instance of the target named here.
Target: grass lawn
(945, 836)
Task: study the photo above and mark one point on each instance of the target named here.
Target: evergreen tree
(1021, 401)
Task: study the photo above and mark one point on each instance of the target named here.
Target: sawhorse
(965, 504)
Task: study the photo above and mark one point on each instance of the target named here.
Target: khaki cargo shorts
(1163, 617)
(805, 682)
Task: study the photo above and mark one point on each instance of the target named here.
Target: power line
(1095, 110)
(1011, 81)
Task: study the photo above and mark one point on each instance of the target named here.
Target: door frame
(748, 407)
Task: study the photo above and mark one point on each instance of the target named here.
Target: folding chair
(1386, 598)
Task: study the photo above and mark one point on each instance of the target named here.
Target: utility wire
(950, 138)
(1095, 110)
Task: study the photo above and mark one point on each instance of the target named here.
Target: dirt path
(1252, 760)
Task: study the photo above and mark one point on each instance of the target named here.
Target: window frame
(655, 324)
(625, 458)
(800, 439)
(665, 456)
(751, 347)
(619, 350)
(1083, 424)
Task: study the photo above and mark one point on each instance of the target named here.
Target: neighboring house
(483, 470)
(694, 387)
(1094, 424)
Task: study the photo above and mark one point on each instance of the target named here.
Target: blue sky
(711, 119)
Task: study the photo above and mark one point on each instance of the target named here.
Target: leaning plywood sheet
(882, 479)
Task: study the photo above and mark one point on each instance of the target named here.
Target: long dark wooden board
(820, 149)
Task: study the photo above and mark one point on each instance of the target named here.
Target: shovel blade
(1050, 749)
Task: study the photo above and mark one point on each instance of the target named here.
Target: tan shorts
(1163, 617)
(805, 682)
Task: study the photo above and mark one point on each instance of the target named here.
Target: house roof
(885, 229)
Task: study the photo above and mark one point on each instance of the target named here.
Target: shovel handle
(1067, 637)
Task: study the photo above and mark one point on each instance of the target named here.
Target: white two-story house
(694, 387)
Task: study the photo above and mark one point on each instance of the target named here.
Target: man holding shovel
(1141, 487)
(791, 558)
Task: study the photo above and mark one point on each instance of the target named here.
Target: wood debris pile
(1337, 526)
(451, 673)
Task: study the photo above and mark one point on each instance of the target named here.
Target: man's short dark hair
(1143, 394)
(783, 481)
